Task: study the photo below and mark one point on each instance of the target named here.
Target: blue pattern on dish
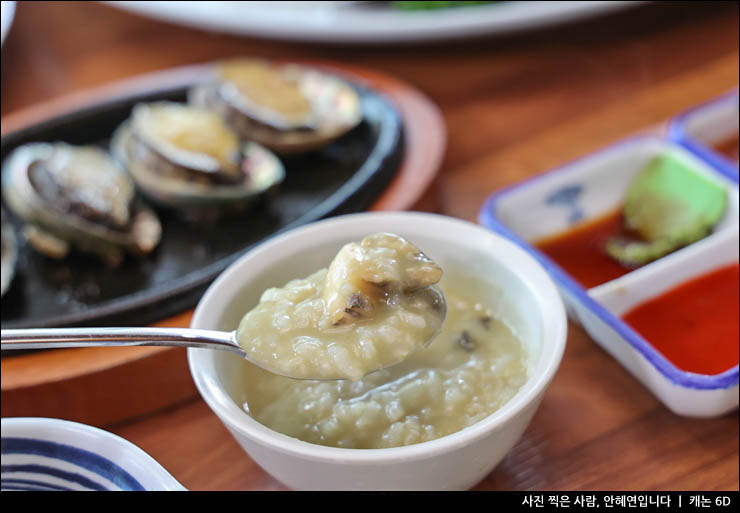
(29, 485)
(568, 196)
(46, 470)
(81, 458)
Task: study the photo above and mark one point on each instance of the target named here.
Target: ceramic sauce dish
(590, 188)
(703, 128)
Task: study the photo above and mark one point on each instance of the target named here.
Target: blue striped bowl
(53, 454)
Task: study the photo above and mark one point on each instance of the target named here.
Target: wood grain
(514, 107)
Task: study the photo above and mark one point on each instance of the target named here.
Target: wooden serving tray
(103, 385)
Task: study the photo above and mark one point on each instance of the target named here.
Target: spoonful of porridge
(374, 306)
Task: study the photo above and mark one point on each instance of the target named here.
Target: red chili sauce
(580, 251)
(695, 325)
(729, 148)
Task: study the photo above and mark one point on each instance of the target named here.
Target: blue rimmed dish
(43, 454)
(702, 127)
(588, 189)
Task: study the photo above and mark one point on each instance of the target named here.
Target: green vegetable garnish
(667, 206)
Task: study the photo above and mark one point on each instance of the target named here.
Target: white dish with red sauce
(588, 189)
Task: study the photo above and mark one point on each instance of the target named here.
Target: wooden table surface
(514, 106)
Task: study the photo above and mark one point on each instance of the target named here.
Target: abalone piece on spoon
(189, 159)
(77, 197)
(286, 107)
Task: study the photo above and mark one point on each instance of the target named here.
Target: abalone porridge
(470, 370)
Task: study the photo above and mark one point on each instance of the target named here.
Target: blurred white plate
(6, 19)
(365, 22)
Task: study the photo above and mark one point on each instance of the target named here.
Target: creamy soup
(470, 370)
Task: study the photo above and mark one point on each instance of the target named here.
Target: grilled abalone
(187, 158)
(9, 254)
(287, 108)
(71, 196)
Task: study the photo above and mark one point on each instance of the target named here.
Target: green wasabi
(668, 206)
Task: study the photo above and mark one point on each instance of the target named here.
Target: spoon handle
(96, 337)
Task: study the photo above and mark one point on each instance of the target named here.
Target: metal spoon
(56, 338)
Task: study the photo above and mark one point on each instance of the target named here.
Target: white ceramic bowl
(529, 303)
(42, 454)
(589, 188)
